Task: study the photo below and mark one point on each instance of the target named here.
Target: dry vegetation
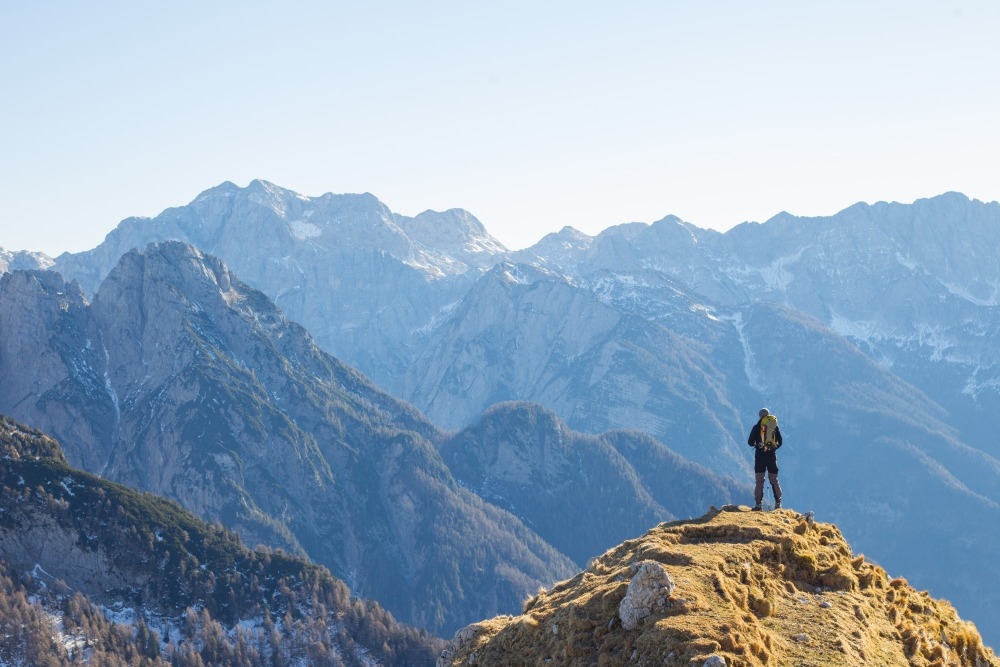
(755, 588)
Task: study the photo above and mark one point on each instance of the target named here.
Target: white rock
(649, 590)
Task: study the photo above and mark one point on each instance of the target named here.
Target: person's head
(763, 413)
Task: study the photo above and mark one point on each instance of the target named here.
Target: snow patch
(934, 338)
(974, 386)
(706, 311)
(303, 230)
(907, 262)
(776, 276)
(38, 572)
(513, 275)
(963, 293)
(749, 364)
(864, 331)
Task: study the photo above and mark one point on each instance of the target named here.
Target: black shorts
(765, 461)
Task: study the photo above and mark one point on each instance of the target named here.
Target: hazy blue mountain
(875, 452)
(523, 332)
(583, 492)
(359, 277)
(180, 380)
(914, 286)
(870, 332)
(12, 261)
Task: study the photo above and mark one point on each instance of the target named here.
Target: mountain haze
(344, 266)
(180, 380)
(871, 333)
(523, 458)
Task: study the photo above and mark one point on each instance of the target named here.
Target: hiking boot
(757, 508)
(777, 504)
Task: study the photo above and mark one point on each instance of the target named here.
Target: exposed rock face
(359, 277)
(53, 362)
(35, 539)
(181, 380)
(23, 260)
(744, 588)
(523, 332)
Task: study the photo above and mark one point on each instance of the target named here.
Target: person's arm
(754, 435)
(777, 437)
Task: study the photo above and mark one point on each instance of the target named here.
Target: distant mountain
(574, 348)
(870, 333)
(583, 493)
(914, 286)
(730, 588)
(89, 552)
(12, 261)
(359, 277)
(180, 380)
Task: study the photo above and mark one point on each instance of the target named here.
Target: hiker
(765, 438)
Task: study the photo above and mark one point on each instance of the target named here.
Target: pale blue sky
(531, 115)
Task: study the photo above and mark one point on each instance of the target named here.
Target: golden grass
(757, 588)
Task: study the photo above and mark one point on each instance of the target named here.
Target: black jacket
(754, 439)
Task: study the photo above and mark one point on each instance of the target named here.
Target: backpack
(768, 426)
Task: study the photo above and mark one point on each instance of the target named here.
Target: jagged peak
(454, 231)
(567, 237)
(11, 260)
(671, 219)
(46, 281)
(628, 230)
(752, 588)
(224, 189)
(571, 232)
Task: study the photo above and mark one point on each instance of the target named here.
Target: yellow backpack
(768, 427)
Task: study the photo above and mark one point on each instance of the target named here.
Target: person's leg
(772, 476)
(758, 489)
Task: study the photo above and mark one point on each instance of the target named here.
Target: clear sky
(531, 115)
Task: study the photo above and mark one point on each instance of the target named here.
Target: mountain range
(870, 333)
(178, 379)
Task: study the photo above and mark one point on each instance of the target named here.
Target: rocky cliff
(180, 380)
(733, 588)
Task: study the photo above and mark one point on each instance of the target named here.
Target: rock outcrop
(648, 591)
(750, 589)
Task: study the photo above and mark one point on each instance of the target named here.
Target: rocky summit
(732, 588)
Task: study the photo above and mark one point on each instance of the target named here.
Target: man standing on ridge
(765, 438)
